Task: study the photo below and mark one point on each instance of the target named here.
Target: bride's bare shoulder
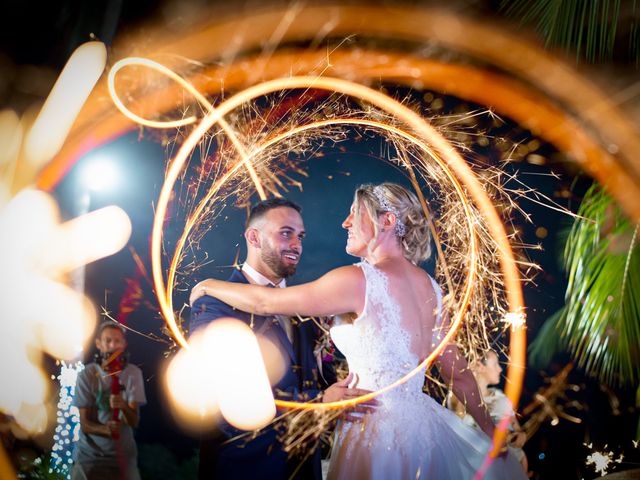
(348, 273)
(420, 276)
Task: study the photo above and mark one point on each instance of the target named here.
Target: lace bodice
(376, 346)
(408, 434)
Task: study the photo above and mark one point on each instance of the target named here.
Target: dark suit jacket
(262, 457)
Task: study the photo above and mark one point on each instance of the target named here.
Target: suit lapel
(282, 337)
(269, 324)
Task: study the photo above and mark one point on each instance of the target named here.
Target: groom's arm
(209, 309)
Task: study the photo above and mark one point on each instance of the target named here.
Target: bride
(392, 322)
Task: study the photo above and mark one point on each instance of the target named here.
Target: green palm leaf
(600, 323)
(587, 27)
(547, 343)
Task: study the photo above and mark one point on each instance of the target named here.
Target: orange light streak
(426, 136)
(177, 123)
(453, 159)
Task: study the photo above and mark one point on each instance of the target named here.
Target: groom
(274, 236)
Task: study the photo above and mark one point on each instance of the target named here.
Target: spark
(515, 319)
(427, 155)
(602, 460)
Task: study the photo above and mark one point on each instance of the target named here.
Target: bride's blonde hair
(412, 227)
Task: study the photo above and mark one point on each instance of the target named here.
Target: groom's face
(281, 237)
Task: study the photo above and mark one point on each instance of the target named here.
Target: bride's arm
(455, 370)
(340, 291)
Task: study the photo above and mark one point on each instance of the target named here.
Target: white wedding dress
(409, 435)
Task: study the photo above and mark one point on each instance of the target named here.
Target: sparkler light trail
(489, 65)
(562, 107)
(421, 135)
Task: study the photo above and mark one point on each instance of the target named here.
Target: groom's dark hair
(260, 209)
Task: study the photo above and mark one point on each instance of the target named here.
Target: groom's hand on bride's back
(340, 391)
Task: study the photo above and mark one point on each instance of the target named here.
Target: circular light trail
(422, 136)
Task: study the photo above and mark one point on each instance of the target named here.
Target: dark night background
(37, 41)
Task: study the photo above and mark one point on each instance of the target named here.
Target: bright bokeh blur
(246, 399)
(99, 174)
(34, 214)
(36, 254)
(77, 79)
(273, 359)
(222, 371)
(191, 387)
(41, 313)
(10, 136)
(67, 323)
(24, 380)
(92, 236)
(5, 194)
(33, 418)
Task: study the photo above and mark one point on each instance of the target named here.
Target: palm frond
(586, 27)
(634, 38)
(601, 319)
(547, 343)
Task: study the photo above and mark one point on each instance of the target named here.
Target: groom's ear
(253, 237)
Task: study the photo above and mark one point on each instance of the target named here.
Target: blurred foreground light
(32, 417)
(26, 222)
(36, 254)
(246, 399)
(23, 381)
(191, 387)
(274, 361)
(99, 174)
(5, 193)
(10, 136)
(69, 321)
(90, 237)
(61, 108)
(222, 371)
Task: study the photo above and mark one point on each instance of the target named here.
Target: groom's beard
(273, 259)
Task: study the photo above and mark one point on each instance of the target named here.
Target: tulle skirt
(414, 439)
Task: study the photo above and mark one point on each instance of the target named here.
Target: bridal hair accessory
(400, 229)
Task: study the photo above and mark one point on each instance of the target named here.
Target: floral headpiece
(400, 229)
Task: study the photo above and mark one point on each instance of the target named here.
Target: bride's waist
(377, 380)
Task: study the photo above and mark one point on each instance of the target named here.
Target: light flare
(246, 399)
(431, 143)
(221, 373)
(10, 137)
(73, 86)
(35, 256)
(190, 381)
(92, 236)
